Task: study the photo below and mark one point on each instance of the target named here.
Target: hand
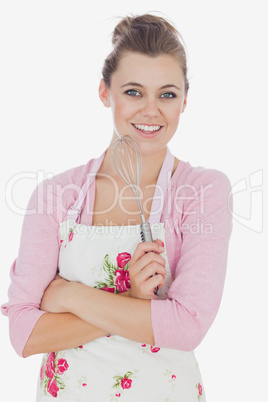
(147, 270)
(54, 296)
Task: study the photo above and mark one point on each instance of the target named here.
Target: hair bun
(146, 21)
(121, 28)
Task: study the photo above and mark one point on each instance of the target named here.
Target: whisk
(127, 160)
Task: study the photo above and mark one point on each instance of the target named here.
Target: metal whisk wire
(127, 160)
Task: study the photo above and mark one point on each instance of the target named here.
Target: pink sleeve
(34, 268)
(183, 319)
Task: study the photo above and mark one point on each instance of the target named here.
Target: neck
(151, 165)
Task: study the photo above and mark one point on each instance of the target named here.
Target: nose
(150, 108)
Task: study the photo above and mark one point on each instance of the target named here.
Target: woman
(126, 342)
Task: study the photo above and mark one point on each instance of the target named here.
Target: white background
(52, 120)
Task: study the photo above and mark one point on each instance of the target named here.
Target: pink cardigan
(198, 224)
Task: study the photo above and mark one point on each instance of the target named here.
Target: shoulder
(75, 175)
(201, 191)
(193, 179)
(202, 198)
(60, 191)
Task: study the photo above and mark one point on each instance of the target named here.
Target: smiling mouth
(147, 129)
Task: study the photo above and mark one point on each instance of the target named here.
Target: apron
(113, 368)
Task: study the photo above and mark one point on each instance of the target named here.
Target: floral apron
(113, 368)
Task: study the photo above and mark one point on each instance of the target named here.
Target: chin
(151, 149)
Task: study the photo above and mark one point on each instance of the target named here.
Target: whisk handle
(146, 235)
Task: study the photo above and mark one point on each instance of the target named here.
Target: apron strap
(75, 210)
(161, 188)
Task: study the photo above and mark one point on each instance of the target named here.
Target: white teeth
(147, 128)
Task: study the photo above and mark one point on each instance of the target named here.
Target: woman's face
(147, 97)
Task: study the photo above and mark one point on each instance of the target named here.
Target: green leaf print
(101, 284)
(107, 264)
(123, 382)
(116, 276)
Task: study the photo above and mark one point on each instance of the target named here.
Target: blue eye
(132, 92)
(168, 95)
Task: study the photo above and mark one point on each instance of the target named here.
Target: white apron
(113, 368)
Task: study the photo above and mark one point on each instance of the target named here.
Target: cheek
(120, 109)
(174, 114)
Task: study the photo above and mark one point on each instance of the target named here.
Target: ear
(184, 103)
(104, 93)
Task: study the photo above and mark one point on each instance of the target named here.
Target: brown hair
(145, 34)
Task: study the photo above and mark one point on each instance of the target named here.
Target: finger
(156, 281)
(145, 261)
(150, 258)
(151, 270)
(149, 286)
(145, 253)
(146, 247)
(160, 242)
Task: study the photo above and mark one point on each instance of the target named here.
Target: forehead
(148, 70)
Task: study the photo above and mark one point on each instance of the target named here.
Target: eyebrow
(136, 84)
